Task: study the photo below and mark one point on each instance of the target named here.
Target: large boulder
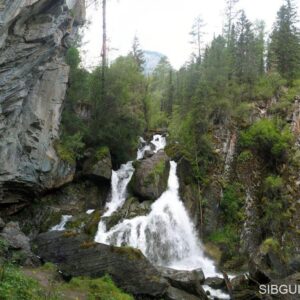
(33, 83)
(75, 255)
(98, 166)
(18, 244)
(188, 281)
(150, 179)
(177, 294)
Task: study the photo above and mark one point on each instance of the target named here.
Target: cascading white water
(158, 143)
(62, 224)
(166, 236)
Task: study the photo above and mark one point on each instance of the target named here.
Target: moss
(156, 173)
(88, 244)
(130, 252)
(64, 154)
(101, 153)
(92, 225)
(270, 244)
(70, 233)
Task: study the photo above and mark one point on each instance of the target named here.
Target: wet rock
(2, 224)
(148, 153)
(33, 84)
(99, 165)
(132, 208)
(73, 199)
(18, 244)
(75, 255)
(177, 294)
(189, 281)
(290, 284)
(215, 282)
(150, 179)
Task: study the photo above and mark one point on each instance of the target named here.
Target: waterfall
(166, 236)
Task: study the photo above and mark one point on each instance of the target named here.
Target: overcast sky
(163, 25)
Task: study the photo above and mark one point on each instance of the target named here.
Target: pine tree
(197, 35)
(138, 53)
(284, 47)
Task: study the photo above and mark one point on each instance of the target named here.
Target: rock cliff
(34, 37)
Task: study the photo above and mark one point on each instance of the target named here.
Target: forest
(221, 135)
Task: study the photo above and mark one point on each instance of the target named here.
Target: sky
(162, 25)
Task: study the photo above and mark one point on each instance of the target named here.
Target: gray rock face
(18, 243)
(188, 281)
(33, 83)
(151, 176)
(76, 256)
(176, 294)
(98, 168)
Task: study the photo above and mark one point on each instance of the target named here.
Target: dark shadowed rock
(18, 244)
(215, 282)
(76, 256)
(98, 166)
(176, 294)
(2, 224)
(150, 179)
(189, 281)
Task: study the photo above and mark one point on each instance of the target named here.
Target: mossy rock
(91, 226)
(131, 253)
(150, 179)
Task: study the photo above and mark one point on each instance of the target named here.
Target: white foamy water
(166, 236)
(158, 143)
(62, 224)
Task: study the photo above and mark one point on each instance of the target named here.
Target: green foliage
(273, 186)
(15, 285)
(268, 86)
(267, 138)
(100, 288)
(232, 203)
(73, 57)
(102, 152)
(245, 156)
(70, 148)
(270, 244)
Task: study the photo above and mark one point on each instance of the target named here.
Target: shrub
(268, 139)
(245, 156)
(70, 148)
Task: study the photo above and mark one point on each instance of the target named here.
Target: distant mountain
(152, 59)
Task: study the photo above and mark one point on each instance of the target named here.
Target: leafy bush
(245, 156)
(268, 139)
(70, 148)
(232, 203)
(273, 186)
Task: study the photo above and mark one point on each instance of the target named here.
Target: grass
(16, 284)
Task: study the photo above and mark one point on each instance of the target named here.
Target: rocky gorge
(158, 229)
